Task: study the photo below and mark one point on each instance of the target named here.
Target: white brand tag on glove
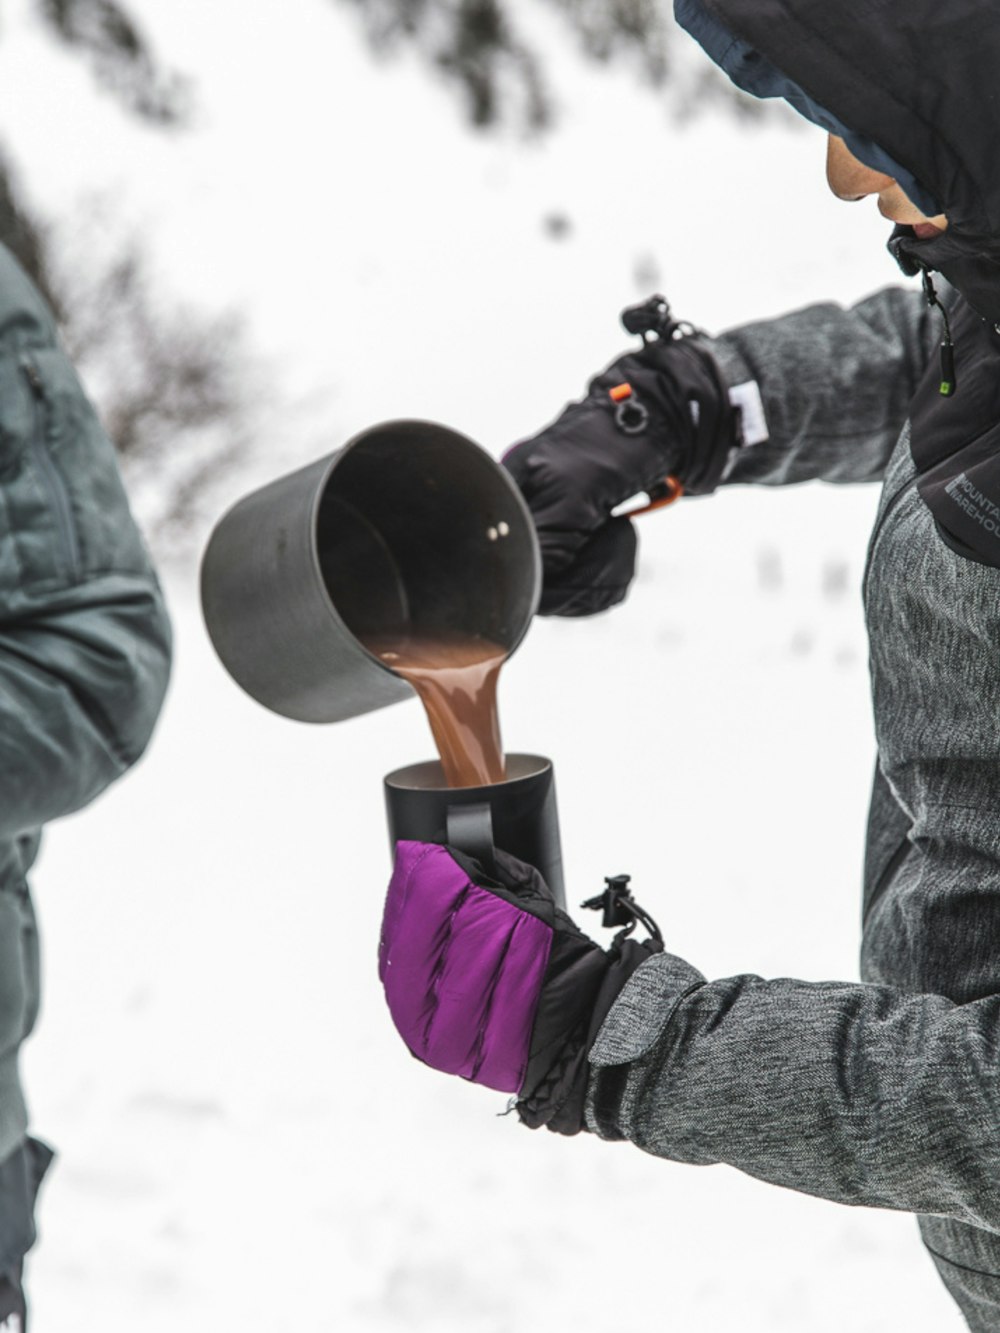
(754, 423)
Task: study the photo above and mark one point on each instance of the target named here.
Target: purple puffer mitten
(489, 979)
(462, 969)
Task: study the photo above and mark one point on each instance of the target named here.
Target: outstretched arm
(860, 1094)
(822, 394)
(835, 385)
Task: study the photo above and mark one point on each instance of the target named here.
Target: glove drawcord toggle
(652, 319)
(621, 909)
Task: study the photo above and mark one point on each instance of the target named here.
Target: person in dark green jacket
(84, 661)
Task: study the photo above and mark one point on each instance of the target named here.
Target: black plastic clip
(652, 320)
(620, 908)
(651, 316)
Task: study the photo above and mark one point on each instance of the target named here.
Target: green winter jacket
(84, 635)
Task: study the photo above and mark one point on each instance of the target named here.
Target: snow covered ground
(244, 1142)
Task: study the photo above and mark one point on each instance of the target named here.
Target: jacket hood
(919, 79)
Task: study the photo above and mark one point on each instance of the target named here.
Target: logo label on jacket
(977, 505)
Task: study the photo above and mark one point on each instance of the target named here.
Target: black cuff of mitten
(555, 1088)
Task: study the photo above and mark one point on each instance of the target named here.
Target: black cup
(517, 816)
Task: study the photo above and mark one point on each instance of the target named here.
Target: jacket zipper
(58, 493)
(949, 384)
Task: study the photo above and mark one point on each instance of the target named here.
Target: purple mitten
(489, 979)
(462, 969)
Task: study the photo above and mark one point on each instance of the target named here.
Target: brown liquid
(456, 679)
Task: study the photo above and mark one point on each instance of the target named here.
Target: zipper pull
(32, 376)
(949, 379)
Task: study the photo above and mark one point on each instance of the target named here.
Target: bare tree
(613, 28)
(479, 46)
(120, 56)
(169, 382)
(474, 43)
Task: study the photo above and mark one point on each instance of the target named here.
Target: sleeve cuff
(730, 360)
(643, 1009)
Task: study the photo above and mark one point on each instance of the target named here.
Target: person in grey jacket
(884, 1093)
(84, 661)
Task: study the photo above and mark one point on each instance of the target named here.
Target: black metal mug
(518, 815)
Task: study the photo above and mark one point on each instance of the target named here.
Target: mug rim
(406, 778)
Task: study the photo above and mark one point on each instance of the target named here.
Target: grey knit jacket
(885, 1093)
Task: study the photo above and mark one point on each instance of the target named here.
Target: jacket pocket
(48, 474)
(62, 500)
(39, 544)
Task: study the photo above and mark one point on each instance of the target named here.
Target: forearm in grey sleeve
(835, 385)
(859, 1094)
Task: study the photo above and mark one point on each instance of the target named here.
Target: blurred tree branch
(610, 28)
(120, 56)
(473, 42)
(478, 45)
(169, 382)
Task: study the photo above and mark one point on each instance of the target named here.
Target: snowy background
(244, 1143)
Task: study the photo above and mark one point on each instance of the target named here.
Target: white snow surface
(244, 1142)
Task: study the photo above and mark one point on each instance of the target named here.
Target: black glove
(662, 412)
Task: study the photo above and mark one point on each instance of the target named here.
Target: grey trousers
(13, 1307)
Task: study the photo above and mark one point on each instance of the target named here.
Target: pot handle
(470, 829)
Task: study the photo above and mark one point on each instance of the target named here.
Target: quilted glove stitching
(480, 1053)
(439, 966)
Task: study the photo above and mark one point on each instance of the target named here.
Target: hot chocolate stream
(456, 679)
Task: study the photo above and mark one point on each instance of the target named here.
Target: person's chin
(899, 211)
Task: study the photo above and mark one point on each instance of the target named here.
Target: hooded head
(911, 87)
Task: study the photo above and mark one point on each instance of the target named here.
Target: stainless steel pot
(409, 527)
